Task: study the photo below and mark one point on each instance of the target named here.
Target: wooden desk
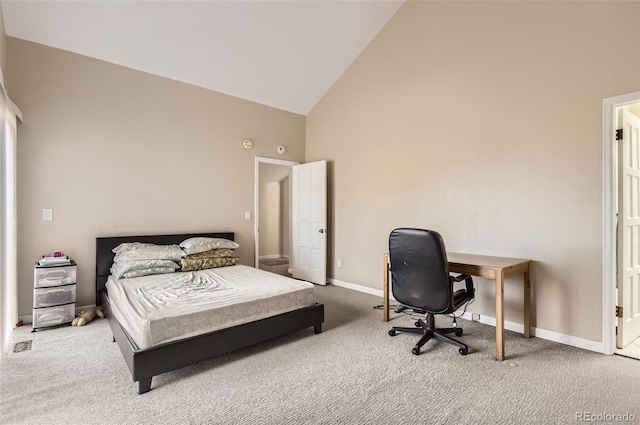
(497, 268)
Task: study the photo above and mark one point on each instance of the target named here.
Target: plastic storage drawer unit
(54, 276)
(54, 295)
(53, 316)
(47, 297)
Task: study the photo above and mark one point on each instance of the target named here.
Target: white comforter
(167, 307)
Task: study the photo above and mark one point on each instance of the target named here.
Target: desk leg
(527, 304)
(385, 287)
(499, 315)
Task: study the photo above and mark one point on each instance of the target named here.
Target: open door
(309, 222)
(628, 246)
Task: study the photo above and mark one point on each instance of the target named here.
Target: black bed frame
(145, 363)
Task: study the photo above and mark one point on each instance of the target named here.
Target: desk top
(484, 265)
(484, 260)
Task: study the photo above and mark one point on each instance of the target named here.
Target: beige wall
(270, 222)
(115, 151)
(482, 120)
(285, 217)
(3, 42)
(274, 209)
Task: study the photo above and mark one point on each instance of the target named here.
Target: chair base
(428, 331)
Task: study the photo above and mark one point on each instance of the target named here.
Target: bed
(146, 359)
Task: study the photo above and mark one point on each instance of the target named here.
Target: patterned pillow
(121, 268)
(146, 251)
(209, 259)
(147, 272)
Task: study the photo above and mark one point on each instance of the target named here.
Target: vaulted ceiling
(284, 54)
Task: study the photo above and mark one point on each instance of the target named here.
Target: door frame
(256, 200)
(609, 248)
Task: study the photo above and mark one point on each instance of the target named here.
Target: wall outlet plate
(47, 214)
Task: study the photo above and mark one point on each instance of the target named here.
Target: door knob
(321, 230)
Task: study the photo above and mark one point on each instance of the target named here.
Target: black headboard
(105, 246)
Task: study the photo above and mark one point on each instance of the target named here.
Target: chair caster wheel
(416, 351)
(392, 332)
(463, 351)
(417, 324)
(458, 332)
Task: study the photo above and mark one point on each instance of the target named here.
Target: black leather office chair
(420, 280)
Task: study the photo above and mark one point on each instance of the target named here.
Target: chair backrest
(419, 270)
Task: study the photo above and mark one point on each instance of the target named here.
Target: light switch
(47, 214)
(247, 215)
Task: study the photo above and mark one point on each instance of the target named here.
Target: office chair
(420, 280)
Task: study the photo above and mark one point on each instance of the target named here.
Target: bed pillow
(120, 268)
(201, 244)
(146, 251)
(147, 272)
(209, 259)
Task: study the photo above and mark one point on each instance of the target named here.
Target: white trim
(273, 256)
(256, 199)
(491, 321)
(26, 319)
(574, 341)
(8, 219)
(608, 226)
(13, 106)
(359, 288)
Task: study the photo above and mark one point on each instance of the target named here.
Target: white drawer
(47, 297)
(52, 316)
(54, 276)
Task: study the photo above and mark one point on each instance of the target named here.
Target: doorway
(272, 215)
(621, 267)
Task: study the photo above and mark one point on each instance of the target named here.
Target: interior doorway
(621, 263)
(272, 215)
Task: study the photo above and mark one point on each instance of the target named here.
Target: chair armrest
(459, 278)
(468, 280)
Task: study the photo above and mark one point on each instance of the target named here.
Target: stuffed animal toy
(86, 316)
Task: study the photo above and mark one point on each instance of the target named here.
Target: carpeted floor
(352, 373)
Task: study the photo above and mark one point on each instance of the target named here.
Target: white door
(309, 222)
(628, 247)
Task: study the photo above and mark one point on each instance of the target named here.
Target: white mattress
(167, 307)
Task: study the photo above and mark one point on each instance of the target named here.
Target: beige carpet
(352, 373)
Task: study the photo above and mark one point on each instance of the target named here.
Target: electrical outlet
(339, 262)
(47, 214)
(475, 317)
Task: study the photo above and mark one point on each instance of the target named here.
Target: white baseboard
(272, 256)
(573, 341)
(359, 288)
